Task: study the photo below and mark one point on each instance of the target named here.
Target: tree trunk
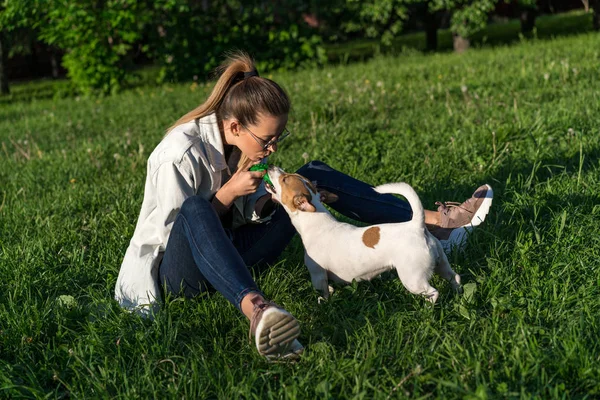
(586, 5)
(527, 21)
(431, 28)
(53, 62)
(461, 44)
(34, 59)
(596, 16)
(4, 89)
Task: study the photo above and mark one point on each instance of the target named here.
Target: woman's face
(252, 139)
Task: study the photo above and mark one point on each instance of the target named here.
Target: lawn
(525, 119)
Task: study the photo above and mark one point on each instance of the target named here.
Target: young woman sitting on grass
(206, 218)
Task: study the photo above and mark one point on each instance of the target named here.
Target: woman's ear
(235, 127)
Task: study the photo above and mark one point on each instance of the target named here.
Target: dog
(342, 252)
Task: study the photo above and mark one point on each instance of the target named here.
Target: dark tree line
(99, 40)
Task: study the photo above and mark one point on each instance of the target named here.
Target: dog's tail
(404, 189)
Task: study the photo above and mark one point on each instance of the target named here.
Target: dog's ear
(302, 203)
(309, 184)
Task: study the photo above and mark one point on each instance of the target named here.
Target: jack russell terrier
(342, 252)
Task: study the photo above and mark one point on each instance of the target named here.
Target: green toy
(262, 167)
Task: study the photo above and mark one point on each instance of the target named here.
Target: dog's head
(295, 192)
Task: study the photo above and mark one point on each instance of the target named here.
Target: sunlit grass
(525, 119)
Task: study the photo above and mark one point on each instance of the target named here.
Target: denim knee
(312, 169)
(195, 206)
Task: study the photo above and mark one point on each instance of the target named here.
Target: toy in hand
(262, 167)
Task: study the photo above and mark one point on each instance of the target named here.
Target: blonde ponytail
(235, 63)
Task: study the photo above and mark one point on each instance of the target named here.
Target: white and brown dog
(342, 252)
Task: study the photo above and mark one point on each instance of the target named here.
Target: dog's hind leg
(443, 269)
(318, 276)
(420, 286)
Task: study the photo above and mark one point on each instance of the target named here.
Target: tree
(380, 19)
(14, 14)
(97, 36)
(468, 17)
(431, 29)
(193, 36)
(596, 16)
(4, 87)
(527, 15)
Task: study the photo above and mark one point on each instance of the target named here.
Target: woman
(205, 217)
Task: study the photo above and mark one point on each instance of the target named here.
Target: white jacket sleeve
(174, 183)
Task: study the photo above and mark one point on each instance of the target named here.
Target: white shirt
(188, 161)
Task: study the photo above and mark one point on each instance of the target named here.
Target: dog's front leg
(318, 276)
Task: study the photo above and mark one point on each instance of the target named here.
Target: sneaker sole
(457, 238)
(275, 333)
(484, 209)
(295, 351)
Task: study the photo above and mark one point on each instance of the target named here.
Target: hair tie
(248, 74)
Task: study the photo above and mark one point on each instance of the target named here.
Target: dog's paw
(321, 300)
(331, 290)
(456, 284)
(432, 296)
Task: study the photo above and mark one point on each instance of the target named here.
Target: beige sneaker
(459, 219)
(275, 332)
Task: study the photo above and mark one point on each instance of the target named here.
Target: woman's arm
(222, 201)
(172, 184)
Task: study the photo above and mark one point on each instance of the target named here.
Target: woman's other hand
(242, 183)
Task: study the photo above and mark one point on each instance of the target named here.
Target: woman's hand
(242, 183)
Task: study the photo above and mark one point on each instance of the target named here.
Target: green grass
(525, 119)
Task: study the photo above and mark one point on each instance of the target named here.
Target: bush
(97, 36)
(193, 36)
(381, 19)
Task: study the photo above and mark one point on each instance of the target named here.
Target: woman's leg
(199, 253)
(357, 200)
(261, 244)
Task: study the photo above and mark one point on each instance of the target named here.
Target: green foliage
(15, 14)
(193, 36)
(98, 37)
(531, 4)
(381, 19)
(468, 16)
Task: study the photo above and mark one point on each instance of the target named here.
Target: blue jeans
(201, 254)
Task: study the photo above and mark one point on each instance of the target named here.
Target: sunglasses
(266, 144)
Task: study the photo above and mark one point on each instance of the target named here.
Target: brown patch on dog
(371, 236)
(294, 193)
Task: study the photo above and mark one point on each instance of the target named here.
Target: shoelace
(448, 205)
(258, 309)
